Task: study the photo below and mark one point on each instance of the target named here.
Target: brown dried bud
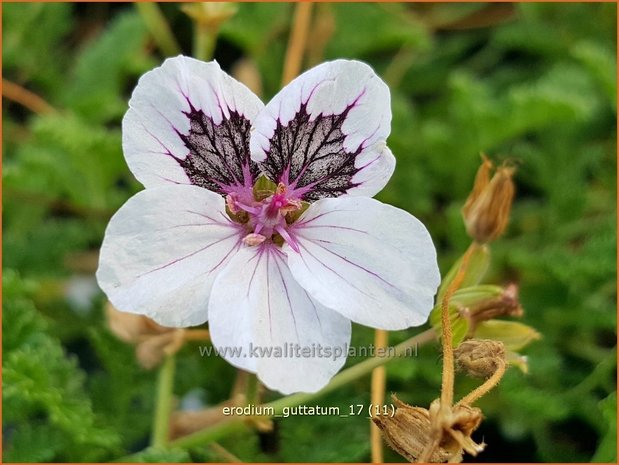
(184, 422)
(480, 358)
(152, 340)
(408, 432)
(505, 304)
(150, 351)
(132, 328)
(486, 211)
(246, 70)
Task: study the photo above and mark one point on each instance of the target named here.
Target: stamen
(288, 238)
(232, 204)
(253, 239)
(268, 217)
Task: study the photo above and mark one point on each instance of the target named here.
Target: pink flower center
(268, 218)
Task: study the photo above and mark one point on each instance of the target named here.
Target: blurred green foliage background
(535, 83)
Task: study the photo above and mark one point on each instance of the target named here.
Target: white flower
(286, 268)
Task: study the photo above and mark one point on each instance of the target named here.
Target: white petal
(162, 251)
(256, 301)
(371, 262)
(167, 140)
(324, 133)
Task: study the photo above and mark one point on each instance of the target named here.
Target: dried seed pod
(480, 358)
(408, 432)
(454, 425)
(436, 435)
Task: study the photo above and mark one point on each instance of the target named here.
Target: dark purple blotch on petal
(309, 156)
(218, 157)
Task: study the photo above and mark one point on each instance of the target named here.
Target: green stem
(158, 28)
(235, 424)
(252, 389)
(354, 372)
(163, 405)
(203, 42)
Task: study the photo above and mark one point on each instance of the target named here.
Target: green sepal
(479, 261)
(513, 334)
(474, 294)
(516, 360)
(293, 216)
(263, 188)
(459, 324)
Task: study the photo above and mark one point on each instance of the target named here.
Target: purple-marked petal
(162, 251)
(256, 301)
(188, 123)
(324, 133)
(369, 261)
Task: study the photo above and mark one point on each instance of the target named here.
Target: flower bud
(486, 211)
(480, 358)
(210, 14)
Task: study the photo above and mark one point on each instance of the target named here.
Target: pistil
(266, 218)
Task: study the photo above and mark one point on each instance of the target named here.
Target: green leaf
(95, 90)
(34, 443)
(70, 157)
(42, 383)
(392, 27)
(162, 455)
(607, 448)
(33, 42)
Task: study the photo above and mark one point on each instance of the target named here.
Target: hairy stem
(381, 339)
(297, 42)
(203, 41)
(158, 27)
(163, 405)
(447, 386)
(486, 387)
(253, 389)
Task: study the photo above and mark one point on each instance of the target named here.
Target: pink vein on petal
(332, 270)
(294, 320)
(186, 256)
(355, 264)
